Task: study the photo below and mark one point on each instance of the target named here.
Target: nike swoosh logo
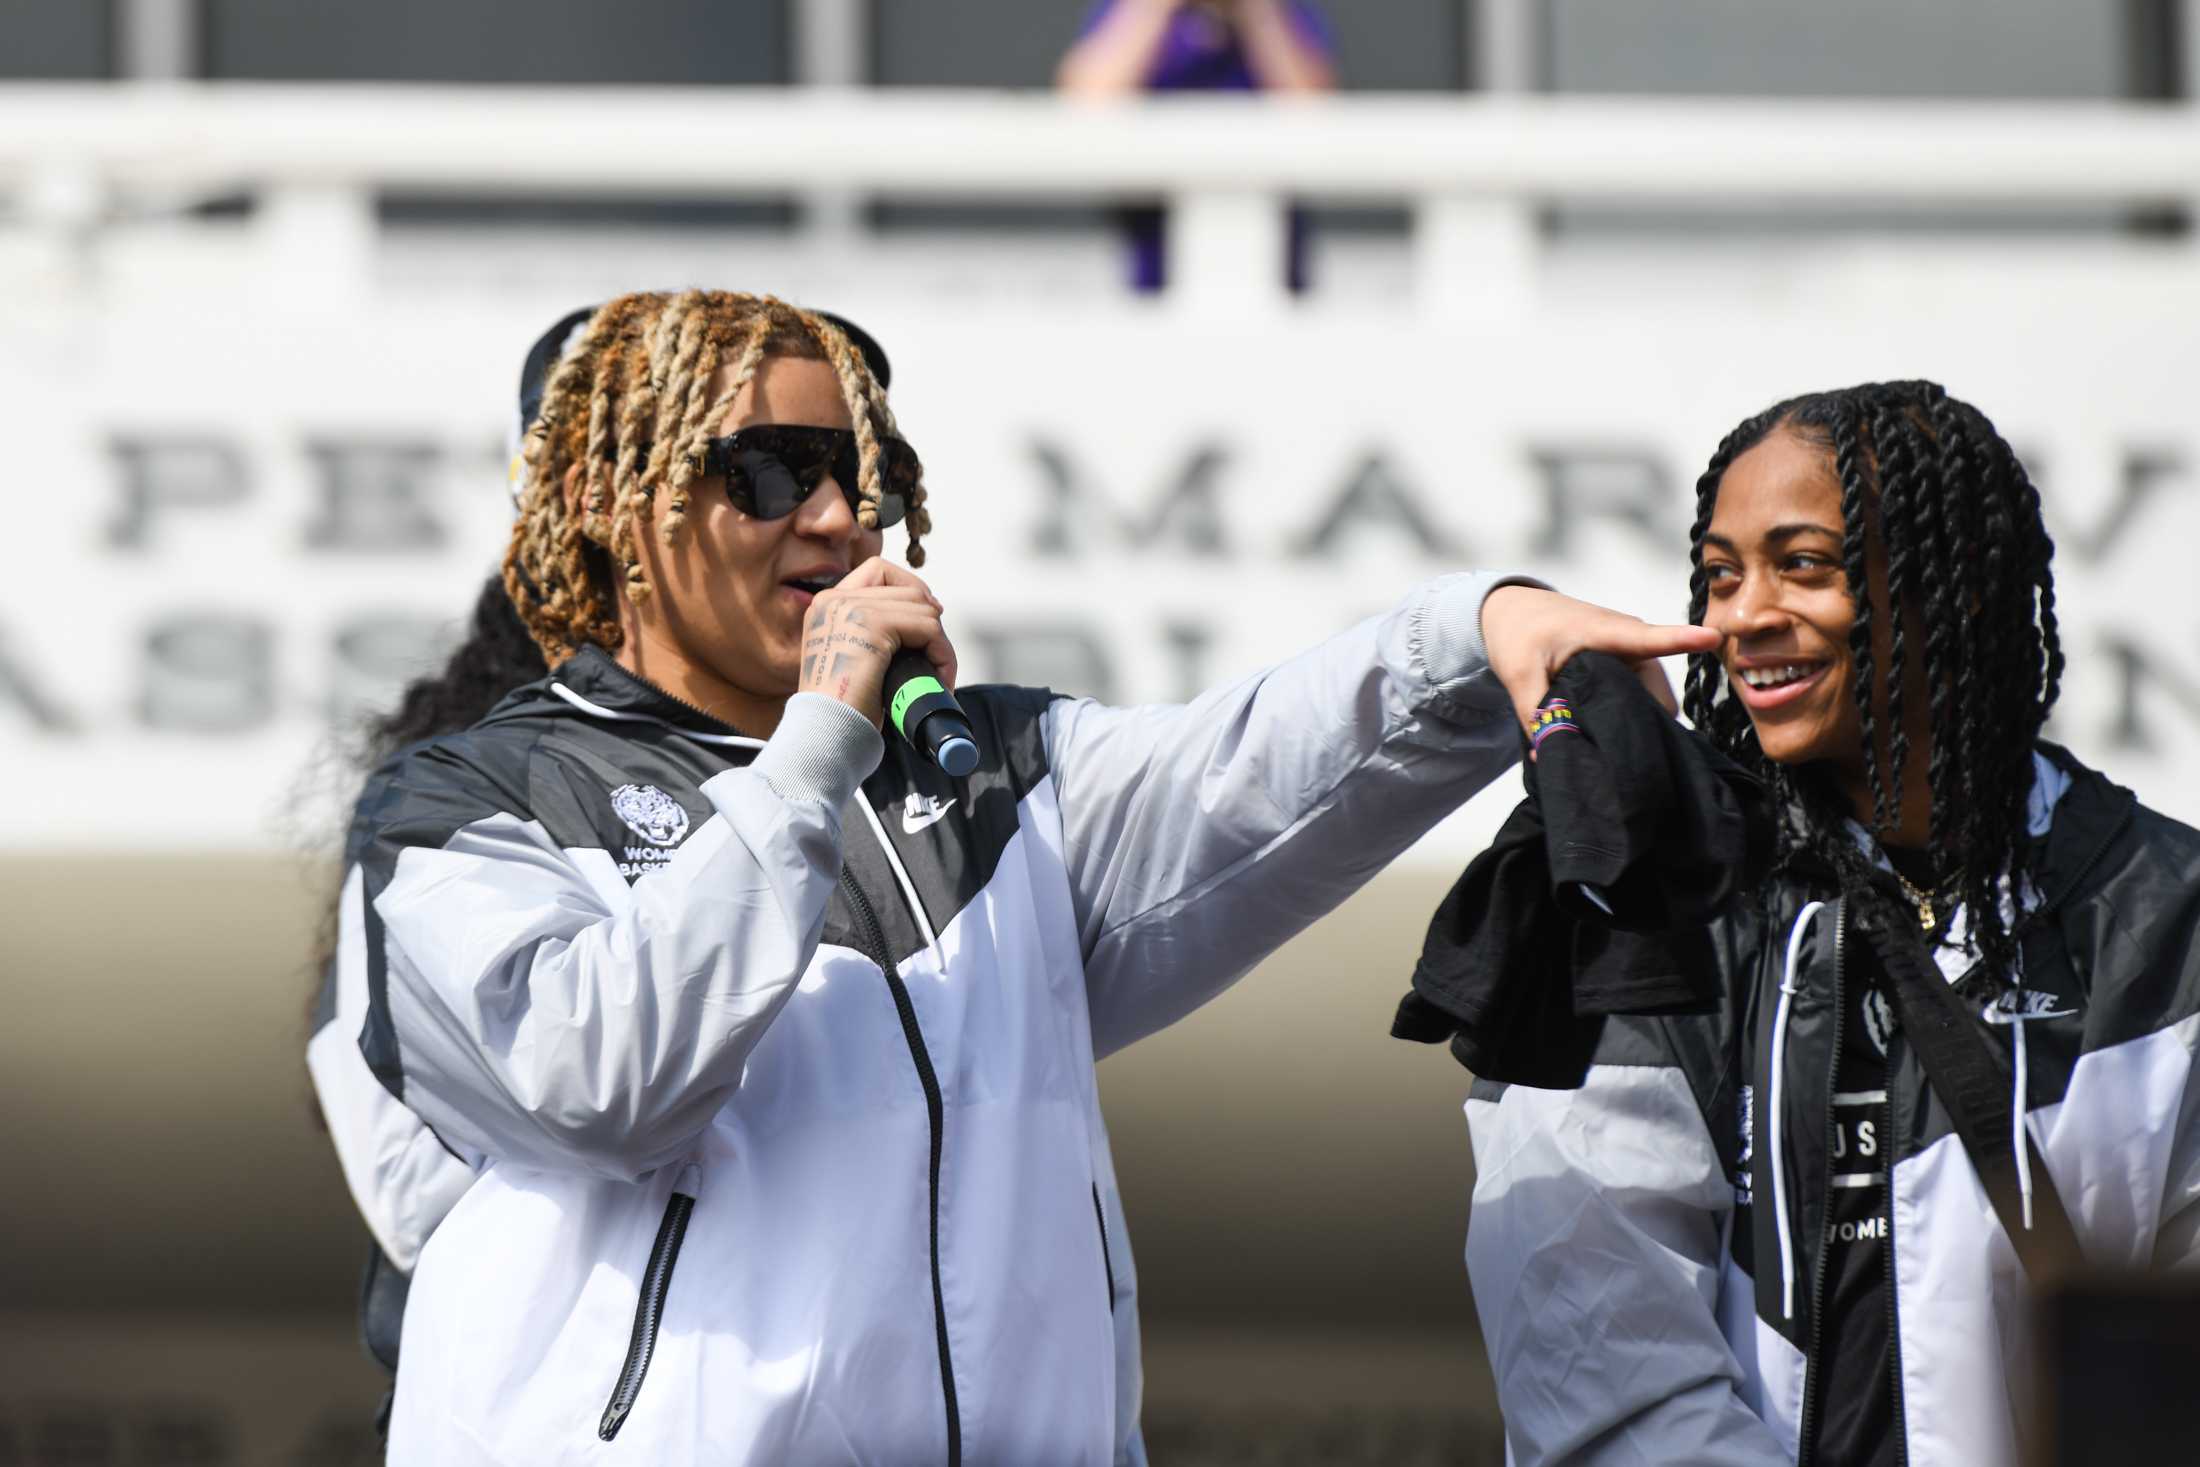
(2005, 1016)
(912, 822)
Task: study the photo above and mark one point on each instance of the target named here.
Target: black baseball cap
(534, 373)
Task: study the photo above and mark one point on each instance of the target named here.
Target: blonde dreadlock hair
(631, 404)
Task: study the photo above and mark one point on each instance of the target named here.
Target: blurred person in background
(1955, 1054)
(401, 1178)
(1129, 46)
(769, 1047)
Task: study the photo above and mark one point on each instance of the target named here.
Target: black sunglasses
(772, 468)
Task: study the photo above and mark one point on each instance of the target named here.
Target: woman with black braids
(1957, 1042)
(402, 1178)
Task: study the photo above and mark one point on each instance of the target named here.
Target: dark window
(56, 40)
(1399, 45)
(553, 211)
(2014, 50)
(971, 43)
(1859, 48)
(698, 42)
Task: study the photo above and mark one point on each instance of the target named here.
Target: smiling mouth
(1771, 686)
(1765, 679)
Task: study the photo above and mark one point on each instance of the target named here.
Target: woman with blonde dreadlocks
(771, 1045)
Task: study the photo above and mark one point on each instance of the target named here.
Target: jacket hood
(2093, 812)
(591, 684)
(2087, 816)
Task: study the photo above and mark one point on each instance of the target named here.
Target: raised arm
(1200, 836)
(1116, 53)
(532, 1007)
(1286, 44)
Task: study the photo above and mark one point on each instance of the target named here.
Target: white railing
(1474, 172)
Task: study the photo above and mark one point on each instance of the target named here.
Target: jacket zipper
(867, 918)
(648, 1313)
(1806, 1436)
(1100, 1216)
(1892, 1149)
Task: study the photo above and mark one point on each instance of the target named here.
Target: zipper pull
(690, 1182)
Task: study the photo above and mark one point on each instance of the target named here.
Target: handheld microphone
(927, 715)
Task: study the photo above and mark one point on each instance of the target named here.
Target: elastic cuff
(1450, 623)
(821, 751)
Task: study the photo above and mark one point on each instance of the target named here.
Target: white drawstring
(689, 1184)
(597, 710)
(2019, 1100)
(2016, 1110)
(1788, 990)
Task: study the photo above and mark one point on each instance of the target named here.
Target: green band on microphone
(915, 688)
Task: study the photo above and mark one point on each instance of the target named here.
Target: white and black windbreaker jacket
(1624, 1246)
(734, 1101)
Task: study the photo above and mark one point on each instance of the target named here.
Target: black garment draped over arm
(1593, 899)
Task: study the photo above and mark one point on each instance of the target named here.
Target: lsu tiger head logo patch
(650, 813)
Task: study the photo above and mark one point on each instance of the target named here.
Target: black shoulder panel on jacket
(949, 834)
(2126, 916)
(423, 796)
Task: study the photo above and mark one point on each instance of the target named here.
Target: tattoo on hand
(832, 654)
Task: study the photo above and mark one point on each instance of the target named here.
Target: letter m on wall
(1076, 518)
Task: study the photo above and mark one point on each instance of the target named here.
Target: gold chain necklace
(1919, 898)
